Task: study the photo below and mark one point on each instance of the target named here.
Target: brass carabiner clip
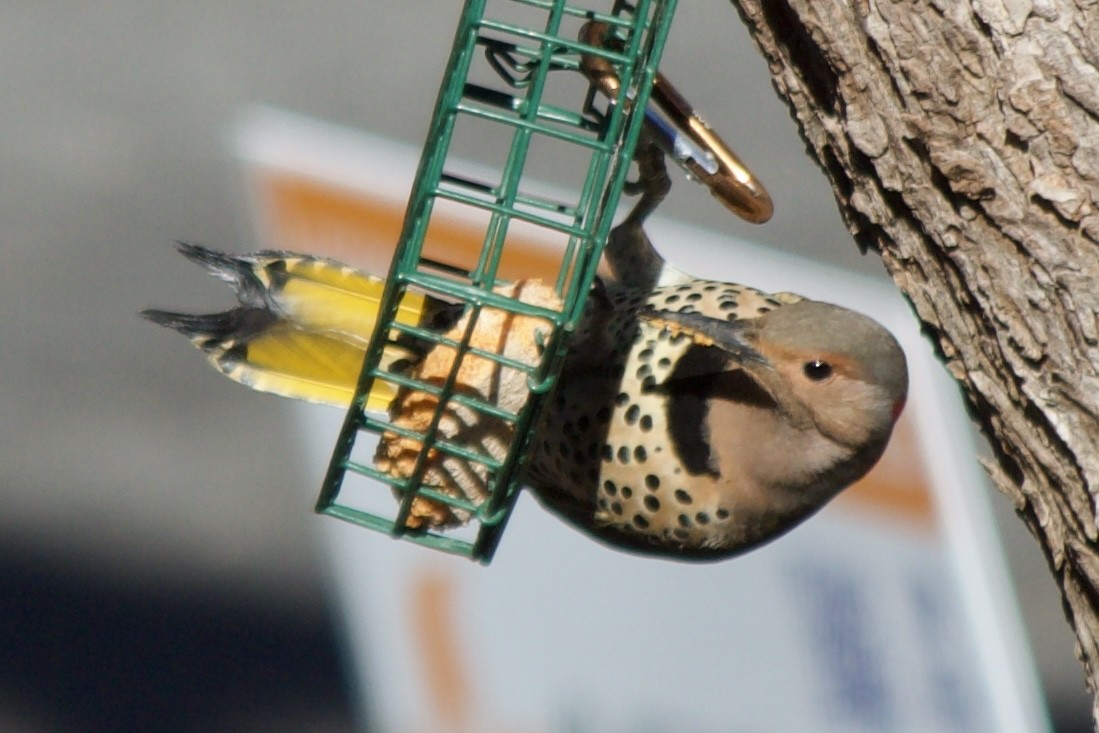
(683, 135)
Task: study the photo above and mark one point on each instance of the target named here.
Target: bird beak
(729, 336)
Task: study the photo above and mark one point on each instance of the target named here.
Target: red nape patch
(898, 407)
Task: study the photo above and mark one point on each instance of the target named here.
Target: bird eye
(817, 370)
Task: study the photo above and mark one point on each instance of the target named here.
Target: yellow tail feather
(302, 328)
(304, 365)
(324, 295)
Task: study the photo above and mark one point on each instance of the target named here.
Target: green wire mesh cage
(514, 77)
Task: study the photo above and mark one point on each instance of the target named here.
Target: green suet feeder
(522, 47)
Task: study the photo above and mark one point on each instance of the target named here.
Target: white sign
(889, 611)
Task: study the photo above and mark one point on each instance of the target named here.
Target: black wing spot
(688, 409)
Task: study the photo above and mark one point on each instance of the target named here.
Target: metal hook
(683, 134)
(512, 68)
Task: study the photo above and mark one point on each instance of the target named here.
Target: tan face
(834, 392)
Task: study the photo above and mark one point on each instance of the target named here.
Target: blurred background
(159, 567)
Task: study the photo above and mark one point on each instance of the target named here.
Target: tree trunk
(962, 140)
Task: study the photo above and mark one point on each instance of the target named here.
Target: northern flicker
(694, 419)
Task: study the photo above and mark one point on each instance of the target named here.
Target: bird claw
(653, 182)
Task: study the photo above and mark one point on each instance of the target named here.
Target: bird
(694, 419)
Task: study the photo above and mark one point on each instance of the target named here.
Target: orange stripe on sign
(436, 633)
(898, 485)
(314, 217)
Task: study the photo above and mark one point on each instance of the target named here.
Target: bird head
(826, 367)
(840, 369)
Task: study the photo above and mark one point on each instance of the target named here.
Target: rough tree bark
(962, 140)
